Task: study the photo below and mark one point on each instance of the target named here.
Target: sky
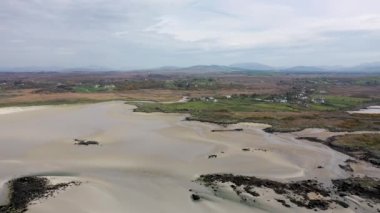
(153, 33)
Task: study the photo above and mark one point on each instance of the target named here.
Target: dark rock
(227, 130)
(318, 204)
(312, 139)
(283, 202)
(365, 187)
(27, 189)
(250, 191)
(269, 130)
(342, 204)
(346, 167)
(212, 156)
(374, 161)
(300, 188)
(195, 197)
(85, 143)
(350, 161)
(342, 194)
(297, 192)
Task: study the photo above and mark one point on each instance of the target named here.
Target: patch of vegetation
(139, 84)
(283, 117)
(177, 84)
(50, 102)
(93, 88)
(368, 81)
(341, 103)
(245, 103)
(193, 83)
(362, 146)
(234, 104)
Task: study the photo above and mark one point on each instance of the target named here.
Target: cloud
(154, 32)
(256, 25)
(64, 51)
(16, 41)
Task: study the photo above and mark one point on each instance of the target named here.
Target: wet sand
(147, 162)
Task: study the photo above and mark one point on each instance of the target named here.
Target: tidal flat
(150, 162)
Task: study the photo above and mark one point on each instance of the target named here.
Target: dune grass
(50, 102)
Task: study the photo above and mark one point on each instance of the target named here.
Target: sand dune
(146, 162)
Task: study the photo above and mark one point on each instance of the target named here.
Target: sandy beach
(147, 162)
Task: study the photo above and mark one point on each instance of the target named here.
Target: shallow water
(368, 110)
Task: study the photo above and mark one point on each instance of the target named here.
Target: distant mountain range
(367, 67)
(373, 67)
(209, 69)
(253, 66)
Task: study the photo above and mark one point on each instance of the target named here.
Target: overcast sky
(150, 33)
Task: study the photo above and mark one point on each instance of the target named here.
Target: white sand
(147, 162)
(11, 110)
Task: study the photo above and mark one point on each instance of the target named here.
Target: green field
(369, 81)
(222, 105)
(282, 116)
(194, 83)
(251, 104)
(333, 103)
(92, 89)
